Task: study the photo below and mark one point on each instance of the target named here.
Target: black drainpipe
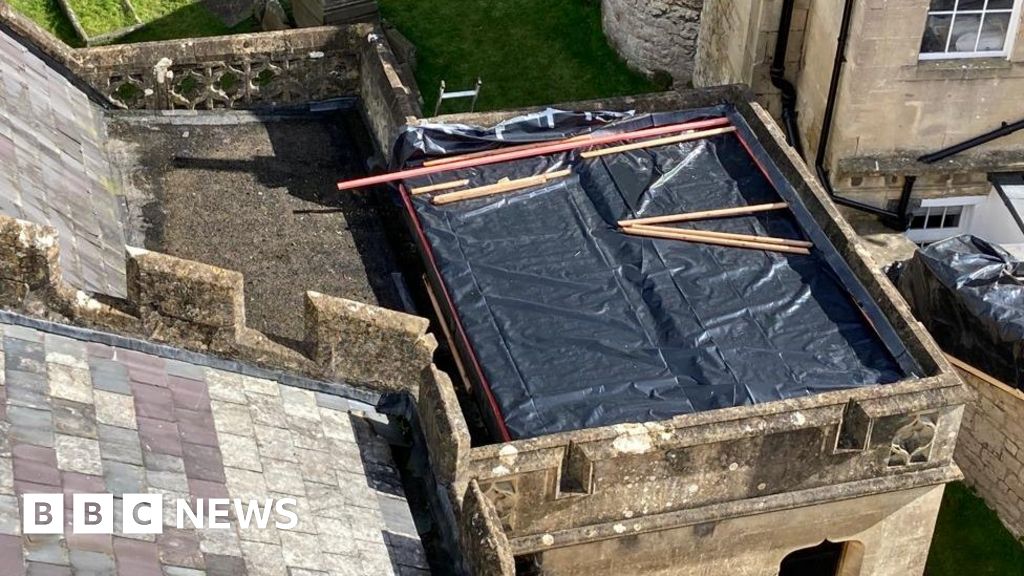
(778, 76)
(1005, 129)
(900, 218)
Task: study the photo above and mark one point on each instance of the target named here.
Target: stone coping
(202, 308)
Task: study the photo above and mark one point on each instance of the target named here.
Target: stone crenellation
(201, 307)
(990, 450)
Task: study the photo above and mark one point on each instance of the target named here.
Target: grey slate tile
(47, 548)
(120, 445)
(89, 563)
(74, 418)
(44, 569)
(124, 478)
(220, 565)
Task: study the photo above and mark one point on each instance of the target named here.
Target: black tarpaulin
(570, 324)
(970, 295)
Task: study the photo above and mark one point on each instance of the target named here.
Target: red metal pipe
(458, 328)
(554, 148)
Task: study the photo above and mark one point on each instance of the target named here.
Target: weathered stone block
(186, 302)
(655, 35)
(357, 341)
(28, 256)
(446, 433)
(483, 539)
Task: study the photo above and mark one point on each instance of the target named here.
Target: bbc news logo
(144, 513)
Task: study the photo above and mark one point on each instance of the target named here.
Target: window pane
(993, 32)
(935, 34)
(970, 5)
(1000, 4)
(952, 219)
(965, 33)
(934, 219)
(944, 4)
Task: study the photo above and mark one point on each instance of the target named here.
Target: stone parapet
(488, 552)
(445, 430)
(389, 102)
(240, 71)
(201, 307)
(186, 302)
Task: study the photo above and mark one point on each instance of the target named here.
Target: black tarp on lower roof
(573, 324)
(969, 293)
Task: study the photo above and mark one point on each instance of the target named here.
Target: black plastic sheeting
(571, 324)
(970, 295)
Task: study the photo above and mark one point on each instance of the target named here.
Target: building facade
(879, 91)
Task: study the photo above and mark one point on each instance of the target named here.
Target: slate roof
(55, 170)
(79, 416)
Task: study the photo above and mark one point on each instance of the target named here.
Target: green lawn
(99, 17)
(166, 19)
(189, 20)
(47, 13)
(970, 541)
(527, 52)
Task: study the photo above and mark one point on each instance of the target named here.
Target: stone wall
(655, 35)
(202, 308)
(991, 446)
(890, 101)
(242, 71)
(389, 102)
(647, 496)
(891, 106)
(886, 534)
(737, 45)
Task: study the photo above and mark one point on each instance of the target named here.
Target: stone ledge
(201, 307)
(721, 511)
(445, 430)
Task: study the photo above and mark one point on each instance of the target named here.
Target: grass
(970, 540)
(48, 14)
(165, 19)
(191, 20)
(528, 52)
(99, 17)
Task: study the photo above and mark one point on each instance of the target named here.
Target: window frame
(1011, 33)
(928, 235)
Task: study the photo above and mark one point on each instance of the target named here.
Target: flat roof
(566, 322)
